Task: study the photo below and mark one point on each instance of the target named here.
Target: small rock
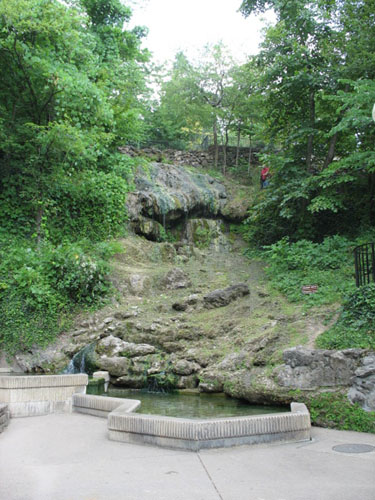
(176, 278)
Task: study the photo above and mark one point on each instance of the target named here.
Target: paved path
(68, 457)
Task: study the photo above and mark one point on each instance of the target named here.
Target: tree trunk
(333, 141)
(250, 155)
(238, 143)
(225, 145)
(216, 147)
(38, 225)
(310, 140)
(331, 150)
(371, 182)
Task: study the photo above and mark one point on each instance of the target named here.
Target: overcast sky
(189, 25)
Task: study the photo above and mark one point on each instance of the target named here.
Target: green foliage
(203, 236)
(316, 82)
(356, 324)
(328, 265)
(68, 98)
(40, 288)
(87, 205)
(162, 382)
(336, 411)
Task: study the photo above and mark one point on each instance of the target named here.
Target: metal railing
(364, 261)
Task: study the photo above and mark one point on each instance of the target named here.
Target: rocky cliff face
(167, 196)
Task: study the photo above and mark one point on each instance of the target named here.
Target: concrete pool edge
(41, 395)
(198, 434)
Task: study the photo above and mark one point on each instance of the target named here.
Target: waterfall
(81, 361)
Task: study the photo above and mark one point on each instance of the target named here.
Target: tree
(311, 62)
(178, 116)
(66, 80)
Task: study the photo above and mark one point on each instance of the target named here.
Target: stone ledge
(212, 433)
(40, 381)
(101, 406)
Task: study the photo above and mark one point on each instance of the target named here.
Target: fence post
(364, 263)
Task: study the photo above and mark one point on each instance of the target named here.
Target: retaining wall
(39, 395)
(197, 434)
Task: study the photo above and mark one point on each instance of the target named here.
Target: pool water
(192, 404)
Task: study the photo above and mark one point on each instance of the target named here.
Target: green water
(192, 405)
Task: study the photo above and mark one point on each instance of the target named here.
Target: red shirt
(264, 173)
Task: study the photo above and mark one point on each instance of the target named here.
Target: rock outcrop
(317, 368)
(166, 195)
(363, 383)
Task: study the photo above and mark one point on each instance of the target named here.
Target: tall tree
(311, 62)
(60, 96)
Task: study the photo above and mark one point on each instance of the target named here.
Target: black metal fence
(364, 261)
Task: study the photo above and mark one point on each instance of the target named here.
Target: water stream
(80, 363)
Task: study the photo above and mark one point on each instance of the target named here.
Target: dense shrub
(41, 287)
(336, 411)
(329, 265)
(356, 324)
(89, 205)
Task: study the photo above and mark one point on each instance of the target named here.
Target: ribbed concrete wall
(196, 434)
(40, 395)
(101, 406)
(37, 381)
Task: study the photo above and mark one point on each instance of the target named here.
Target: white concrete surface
(68, 457)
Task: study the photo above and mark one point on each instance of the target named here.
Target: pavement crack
(209, 476)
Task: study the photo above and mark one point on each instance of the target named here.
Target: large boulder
(184, 367)
(116, 366)
(363, 383)
(112, 346)
(317, 368)
(221, 298)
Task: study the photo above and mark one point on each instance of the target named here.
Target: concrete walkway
(68, 457)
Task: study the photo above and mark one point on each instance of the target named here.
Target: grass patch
(356, 324)
(329, 265)
(335, 411)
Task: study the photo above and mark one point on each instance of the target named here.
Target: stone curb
(101, 406)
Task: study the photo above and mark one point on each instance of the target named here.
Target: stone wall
(39, 395)
(192, 158)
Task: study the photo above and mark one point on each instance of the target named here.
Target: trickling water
(80, 362)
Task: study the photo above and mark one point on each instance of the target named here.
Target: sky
(188, 25)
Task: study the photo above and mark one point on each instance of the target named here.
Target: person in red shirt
(264, 177)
